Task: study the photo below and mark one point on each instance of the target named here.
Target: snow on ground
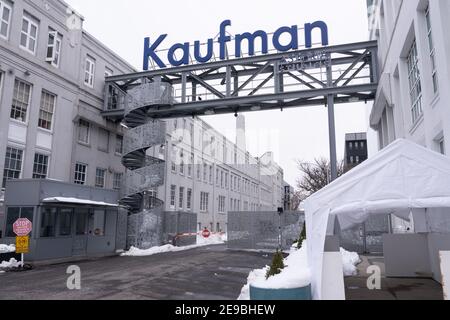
(296, 273)
(350, 261)
(13, 263)
(7, 248)
(201, 242)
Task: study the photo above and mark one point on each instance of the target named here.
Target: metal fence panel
(261, 230)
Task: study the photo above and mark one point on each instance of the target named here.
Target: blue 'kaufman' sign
(150, 49)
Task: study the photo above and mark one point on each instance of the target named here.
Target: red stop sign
(206, 233)
(22, 227)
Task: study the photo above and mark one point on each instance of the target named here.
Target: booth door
(81, 232)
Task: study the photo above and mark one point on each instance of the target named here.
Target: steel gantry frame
(318, 76)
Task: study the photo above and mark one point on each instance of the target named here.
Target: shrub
(277, 265)
(302, 236)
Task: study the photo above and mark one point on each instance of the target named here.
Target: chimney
(240, 133)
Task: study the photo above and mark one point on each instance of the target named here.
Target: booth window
(65, 222)
(99, 222)
(48, 223)
(14, 213)
(81, 219)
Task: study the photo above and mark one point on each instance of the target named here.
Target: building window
(204, 201)
(226, 180)
(65, 222)
(119, 145)
(174, 156)
(181, 198)
(46, 110)
(191, 162)
(432, 49)
(205, 172)
(217, 177)
(13, 164)
(21, 101)
(15, 213)
(199, 175)
(5, 19)
(84, 129)
(48, 223)
(442, 146)
(89, 72)
(117, 181)
(103, 140)
(80, 173)
(222, 204)
(173, 190)
(28, 36)
(211, 179)
(108, 72)
(189, 199)
(182, 167)
(100, 176)
(54, 48)
(40, 166)
(415, 86)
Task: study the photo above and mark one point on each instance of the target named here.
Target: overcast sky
(300, 133)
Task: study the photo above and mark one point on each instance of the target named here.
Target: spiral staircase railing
(145, 173)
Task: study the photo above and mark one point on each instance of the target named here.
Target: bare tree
(315, 176)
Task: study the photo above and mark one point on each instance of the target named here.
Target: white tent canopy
(402, 177)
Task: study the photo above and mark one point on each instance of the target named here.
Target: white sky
(300, 133)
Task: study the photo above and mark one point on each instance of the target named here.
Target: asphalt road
(206, 273)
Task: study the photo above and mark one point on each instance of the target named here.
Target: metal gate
(366, 237)
(263, 230)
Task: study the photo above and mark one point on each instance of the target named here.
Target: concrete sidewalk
(391, 288)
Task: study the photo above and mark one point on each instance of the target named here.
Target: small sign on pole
(22, 228)
(206, 233)
(23, 244)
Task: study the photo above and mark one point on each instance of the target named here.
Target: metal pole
(331, 125)
(22, 259)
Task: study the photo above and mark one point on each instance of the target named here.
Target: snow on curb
(296, 273)
(4, 248)
(201, 242)
(350, 261)
(13, 263)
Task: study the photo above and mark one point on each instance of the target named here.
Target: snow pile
(13, 263)
(253, 276)
(296, 273)
(350, 260)
(201, 242)
(7, 248)
(215, 238)
(136, 252)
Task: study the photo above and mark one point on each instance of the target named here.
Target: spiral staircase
(145, 171)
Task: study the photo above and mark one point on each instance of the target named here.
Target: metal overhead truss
(275, 81)
(318, 76)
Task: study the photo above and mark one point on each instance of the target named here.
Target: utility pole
(331, 124)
